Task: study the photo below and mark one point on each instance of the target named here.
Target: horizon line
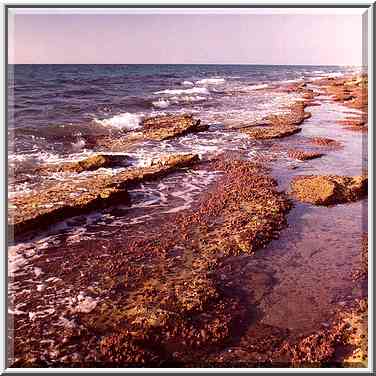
(295, 65)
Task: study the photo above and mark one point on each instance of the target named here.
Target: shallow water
(310, 265)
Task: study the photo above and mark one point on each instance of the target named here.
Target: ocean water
(53, 107)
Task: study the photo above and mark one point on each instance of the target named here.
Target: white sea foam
(187, 83)
(257, 87)
(188, 98)
(80, 144)
(161, 103)
(292, 81)
(328, 75)
(194, 90)
(125, 120)
(211, 81)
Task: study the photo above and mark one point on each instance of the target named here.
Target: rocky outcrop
(325, 142)
(352, 92)
(63, 200)
(268, 133)
(169, 126)
(294, 115)
(91, 163)
(329, 190)
(343, 344)
(355, 123)
(156, 128)
(279, 125)
(303, 155)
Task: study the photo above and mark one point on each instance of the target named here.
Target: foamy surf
(125, 120)
(194, 90)
(257, 87)
(211, 81)
(187, 83)
(161, 103)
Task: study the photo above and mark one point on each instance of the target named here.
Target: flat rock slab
(329, 190)
(67, 199)
(325, 142)
(156, 128)
(304, 155)
(268, 133)
(91, 163)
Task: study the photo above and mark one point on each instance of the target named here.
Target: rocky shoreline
(168, 294)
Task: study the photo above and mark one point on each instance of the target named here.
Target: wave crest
(125, 120)
(194, 90)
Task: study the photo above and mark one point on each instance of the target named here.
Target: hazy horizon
(225, 39)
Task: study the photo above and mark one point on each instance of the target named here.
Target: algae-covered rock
(67, 199)
(267, 133)
(304, 155)
(168, 126)
(329, 190)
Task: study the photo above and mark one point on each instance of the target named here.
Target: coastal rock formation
(352, 92)
(63, 200)
(303, 155)
(279, 125)
(355, 123)
(361, 269)
(159, 296)
(169, 126)
(91, 163)
(294, 115)
(157, 128)
(347, 333)
(267, 133)
(329, 190)
(326, 142)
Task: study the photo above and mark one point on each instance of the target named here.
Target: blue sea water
(53, 109)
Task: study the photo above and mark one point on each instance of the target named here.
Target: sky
(104, 37)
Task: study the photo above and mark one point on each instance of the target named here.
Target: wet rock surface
(60, 201)
(352, 92)
(325, 142)
(91, 163)
(329, 190)
(177, 307)
(304, 155)
(267, 133)
(156, 128)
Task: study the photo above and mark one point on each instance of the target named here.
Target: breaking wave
(125, 120)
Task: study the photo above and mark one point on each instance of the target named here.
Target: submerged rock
(304, 155)
(169, 126)
(267, 133)
(327, 142)
(91, 163)
(329, 190)
(156, 128)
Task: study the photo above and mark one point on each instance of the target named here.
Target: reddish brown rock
(295, 115)
(267, 133)
(329, 190)
(91, 163)
(168, 126)
(361, 269)
(303, 155)
(327, 142)
(63, 200)
(157, 128)
(350, 91)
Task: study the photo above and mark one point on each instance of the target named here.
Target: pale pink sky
(318, 39)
